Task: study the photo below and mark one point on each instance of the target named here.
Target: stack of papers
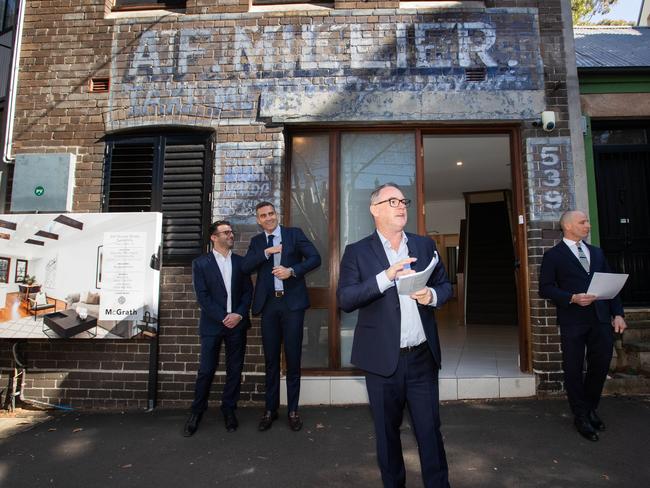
(409, 284)
(606, 285)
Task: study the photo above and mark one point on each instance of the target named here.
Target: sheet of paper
(606, 285)
(416, 281)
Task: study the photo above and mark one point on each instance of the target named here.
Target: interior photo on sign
(79, 276)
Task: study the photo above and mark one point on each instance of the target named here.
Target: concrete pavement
(518, 443)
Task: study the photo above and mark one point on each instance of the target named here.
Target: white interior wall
(444, 216)
(75, 268)
(12, 286)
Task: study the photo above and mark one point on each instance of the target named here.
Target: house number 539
(551, 179)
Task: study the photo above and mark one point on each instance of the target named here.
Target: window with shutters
(8, 11)
(169, 173)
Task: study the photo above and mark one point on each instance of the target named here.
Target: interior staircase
(490, 274)
(630, 368)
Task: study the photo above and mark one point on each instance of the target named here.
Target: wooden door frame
(420, 129)
(334, 133)
(513, 131)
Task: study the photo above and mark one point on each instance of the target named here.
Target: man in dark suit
(396, 337)
(584, 322)
(281, 256)
(224, 295)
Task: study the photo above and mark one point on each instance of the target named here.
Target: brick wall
(223, 68)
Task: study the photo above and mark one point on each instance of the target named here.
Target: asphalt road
(518, 443)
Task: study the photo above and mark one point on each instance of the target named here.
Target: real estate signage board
(80, 275)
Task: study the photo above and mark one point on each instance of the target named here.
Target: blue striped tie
(582, 257)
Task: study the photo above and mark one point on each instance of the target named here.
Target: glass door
(309, 210)
(334, 215)
(368, 160)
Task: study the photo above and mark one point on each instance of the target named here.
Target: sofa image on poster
(79, 275)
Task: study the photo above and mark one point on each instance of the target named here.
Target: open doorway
(471, 213)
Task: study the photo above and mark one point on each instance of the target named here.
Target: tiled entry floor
(482, 361)
(478, 361)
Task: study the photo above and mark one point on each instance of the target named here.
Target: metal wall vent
(475, 74)
(99, 85)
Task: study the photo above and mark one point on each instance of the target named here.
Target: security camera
(548, 120)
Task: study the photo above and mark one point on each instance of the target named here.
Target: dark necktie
(269, 276)
(582, 258)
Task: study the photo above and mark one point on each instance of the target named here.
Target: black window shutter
(185, 197)
(129, 176)
(169, 173)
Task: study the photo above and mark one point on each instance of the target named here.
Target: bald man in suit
(586, 324)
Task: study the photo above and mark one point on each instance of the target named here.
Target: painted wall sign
(250, 173)
(206, 70)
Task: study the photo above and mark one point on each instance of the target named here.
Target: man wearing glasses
(281, 257)
(224, 294)
(396, 337)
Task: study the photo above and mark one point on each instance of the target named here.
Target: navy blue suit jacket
(297, 252)
(377, 335)
(211, 293)
(561, 275)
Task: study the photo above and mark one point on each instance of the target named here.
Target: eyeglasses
(394, 202)
(226, 232)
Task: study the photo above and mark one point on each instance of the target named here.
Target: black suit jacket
(297, 252)
(377, 334)
(561, 275)
(211, 293)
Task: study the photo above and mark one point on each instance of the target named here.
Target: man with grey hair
(585, 322)
(396, 337)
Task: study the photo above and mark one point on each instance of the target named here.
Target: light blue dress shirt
(277, 240)
(411, 330)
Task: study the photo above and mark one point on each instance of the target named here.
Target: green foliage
(615, 22)
(583, 10)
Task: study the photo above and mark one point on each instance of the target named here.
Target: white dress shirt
(277, 240)
(411, 330)
(225, 266)
(574, 248)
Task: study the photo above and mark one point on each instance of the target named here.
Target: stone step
(638, 355)
(627, 384)
(638, 324)
(633, 314)
(634, 356)
(637, 331)
(332, 390)
(638, 347)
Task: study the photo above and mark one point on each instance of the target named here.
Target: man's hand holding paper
(423, 297)
(415, 284)
(606, 286)
(399, 269)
